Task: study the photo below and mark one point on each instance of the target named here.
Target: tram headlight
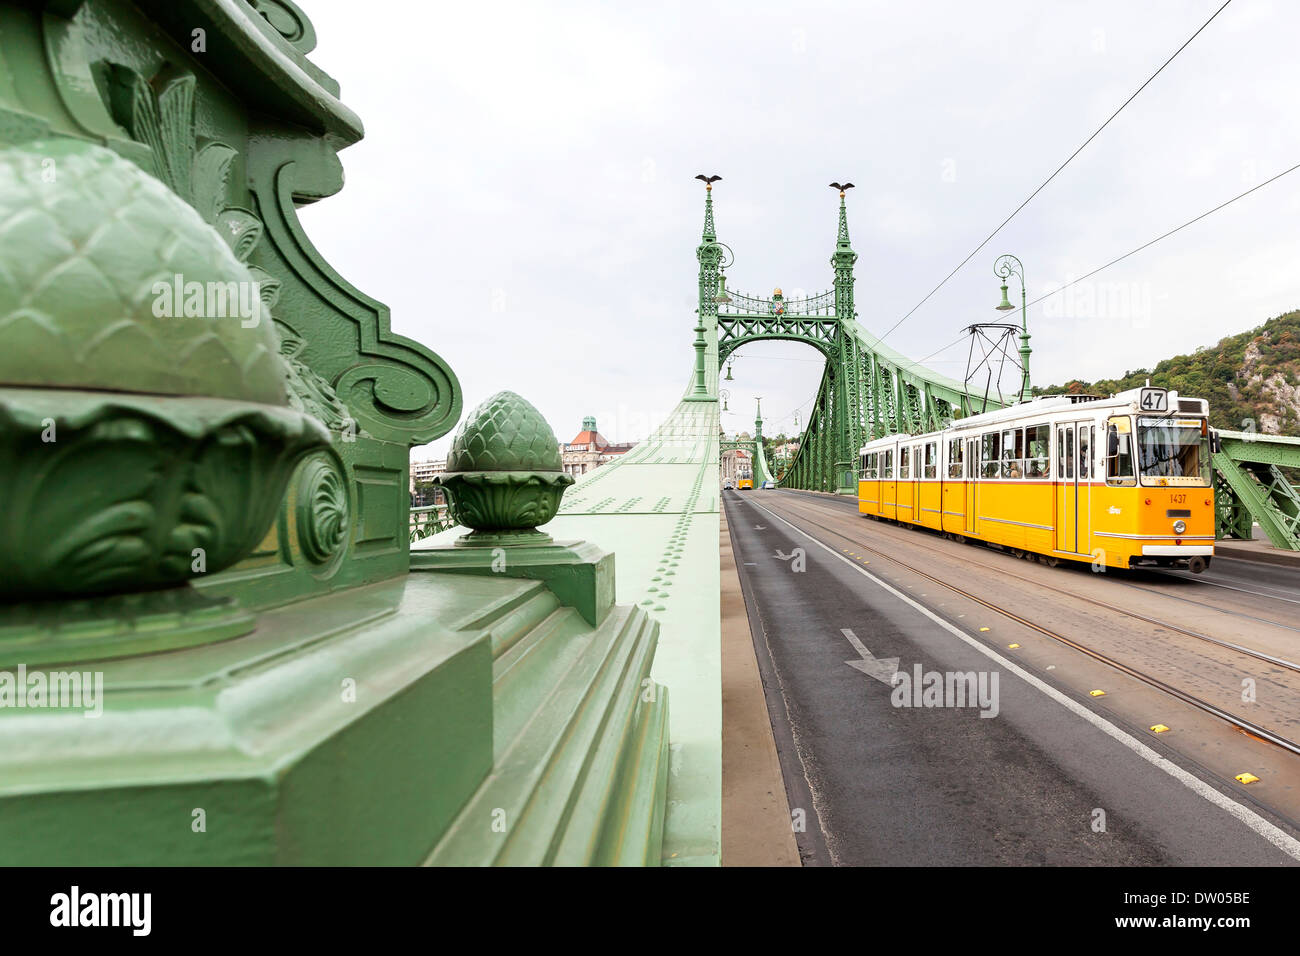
(1180, 526)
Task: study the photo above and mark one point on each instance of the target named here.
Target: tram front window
(1173, 448)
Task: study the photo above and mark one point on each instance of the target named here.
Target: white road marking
(882, 669)
(1273, 834)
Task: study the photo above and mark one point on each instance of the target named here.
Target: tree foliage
(1222, 374)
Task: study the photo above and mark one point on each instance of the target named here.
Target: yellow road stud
(1012, 647)
(983, 628)
(1158, 728)
(1247, 778)
(1096, 693)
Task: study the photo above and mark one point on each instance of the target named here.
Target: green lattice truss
(867, 389)
(1251, 486)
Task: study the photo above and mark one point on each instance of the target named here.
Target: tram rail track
(908, 535)
(1240, 723)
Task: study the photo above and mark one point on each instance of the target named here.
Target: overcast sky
(523, 199)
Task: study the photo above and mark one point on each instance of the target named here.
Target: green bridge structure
(868, 390)
(221, 641)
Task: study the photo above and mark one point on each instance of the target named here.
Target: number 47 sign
(1153, 400)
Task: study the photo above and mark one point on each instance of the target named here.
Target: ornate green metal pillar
(205, 435)
(709, 254)
(848, 392)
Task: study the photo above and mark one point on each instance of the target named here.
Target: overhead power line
(1081, 148)
(1166, 235)
(1089, 275)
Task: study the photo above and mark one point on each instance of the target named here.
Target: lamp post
(1005, 267)
(724, 394)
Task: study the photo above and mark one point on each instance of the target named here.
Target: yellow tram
(745, 478)
(1122, 481)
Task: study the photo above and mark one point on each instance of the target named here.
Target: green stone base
(102, 628)
(439, 718)
(348, 729)
(580, 573)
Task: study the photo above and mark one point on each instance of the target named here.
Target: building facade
(589, 449)
(422, 472)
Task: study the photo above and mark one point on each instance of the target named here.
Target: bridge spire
(843, 249)
(709, 253)
(843, 259)
(710, 233)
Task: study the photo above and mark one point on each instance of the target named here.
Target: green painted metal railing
(428, 521)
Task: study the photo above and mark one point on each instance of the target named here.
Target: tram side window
(1085, 450)
(1037, 439)
(1065, 453)
(904, 463)
(888, 470)
(1119, 453)
(954, 458)
(1013, 453)
(932, 459)
(990, 446)
(869, 463)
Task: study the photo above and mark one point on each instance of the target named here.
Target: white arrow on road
(881, 670)
(759, 527)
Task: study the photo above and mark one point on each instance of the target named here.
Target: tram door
(1067, 490)
(1085, 448)
(1074, 456)
(972, 475)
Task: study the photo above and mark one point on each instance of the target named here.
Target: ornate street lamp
(722, 298)
(1005, 267)
(724, 395)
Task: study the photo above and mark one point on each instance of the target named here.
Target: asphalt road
(1050, 777)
